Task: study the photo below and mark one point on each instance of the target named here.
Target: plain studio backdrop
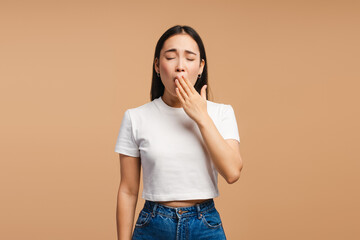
(290, 69)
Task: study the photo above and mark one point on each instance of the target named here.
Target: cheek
(193, 73)
(165, 67)
(166, 75)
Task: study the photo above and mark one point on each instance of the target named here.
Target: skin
(178, 72)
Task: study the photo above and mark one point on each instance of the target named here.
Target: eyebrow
(174, 50)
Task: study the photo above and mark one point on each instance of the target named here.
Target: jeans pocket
(143, 219)
(212, 218)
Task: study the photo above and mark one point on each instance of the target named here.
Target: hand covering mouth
(178, 77)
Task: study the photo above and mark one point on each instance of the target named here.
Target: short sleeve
(126, 143)
(228, 125)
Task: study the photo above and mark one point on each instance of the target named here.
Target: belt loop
(198, 210)
(154, 209)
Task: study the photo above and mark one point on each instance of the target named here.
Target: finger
(189, 84)
(203, 91)
(185, 86)
(181, 89)
(179, 96)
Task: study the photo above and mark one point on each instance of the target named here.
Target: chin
(172, 92)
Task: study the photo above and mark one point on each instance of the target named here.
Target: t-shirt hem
(231, 137)
(127, 152)
(178, 197)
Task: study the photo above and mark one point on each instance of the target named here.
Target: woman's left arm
(224, 153)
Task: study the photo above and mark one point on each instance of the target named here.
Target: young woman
(182, 141)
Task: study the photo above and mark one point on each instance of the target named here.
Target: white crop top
(176, 164)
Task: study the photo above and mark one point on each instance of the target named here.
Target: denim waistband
(177, 212)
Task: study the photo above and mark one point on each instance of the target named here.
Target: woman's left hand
(194, 104)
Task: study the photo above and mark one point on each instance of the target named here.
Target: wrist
(204, 121)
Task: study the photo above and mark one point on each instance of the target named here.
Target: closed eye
(187, 59)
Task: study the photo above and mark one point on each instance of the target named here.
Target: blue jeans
(157, 222)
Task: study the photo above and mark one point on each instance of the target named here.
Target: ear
(156, 65)
(202, 64)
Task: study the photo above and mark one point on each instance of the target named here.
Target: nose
(180, 67)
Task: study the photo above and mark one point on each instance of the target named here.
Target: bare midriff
(183, 203)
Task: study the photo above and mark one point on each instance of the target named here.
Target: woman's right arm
(130, 168)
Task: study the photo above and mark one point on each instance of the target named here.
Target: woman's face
(179, 56)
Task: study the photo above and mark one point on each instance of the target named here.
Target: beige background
(69, 70)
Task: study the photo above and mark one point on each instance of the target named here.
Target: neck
(171, 100)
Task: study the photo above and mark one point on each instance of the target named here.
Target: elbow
(233, 179)
(235, 176)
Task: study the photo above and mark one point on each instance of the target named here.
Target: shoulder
(218, 108)
(142, 110)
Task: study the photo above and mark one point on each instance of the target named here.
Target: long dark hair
(157, 87)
